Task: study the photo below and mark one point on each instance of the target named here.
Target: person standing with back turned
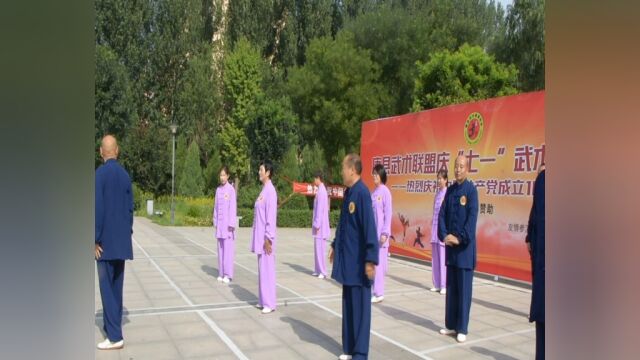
(114, 226)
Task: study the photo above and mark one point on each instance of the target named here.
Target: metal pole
(173, 169)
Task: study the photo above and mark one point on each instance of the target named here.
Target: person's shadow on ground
(402, 315)
(407, 282)
(210, 270)
(311, 334)
(493, 354)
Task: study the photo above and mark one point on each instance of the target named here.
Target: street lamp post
(173, 128)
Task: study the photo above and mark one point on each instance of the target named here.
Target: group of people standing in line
(359, 251)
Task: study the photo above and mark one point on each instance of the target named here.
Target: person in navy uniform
(114, 226)
(457, 229)
(535, 244)
(354, 255)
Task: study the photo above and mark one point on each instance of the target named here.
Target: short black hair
(379, 169)
(268, 166)
(225, 168)
(353, 160)
(319, 175)
(443, 174)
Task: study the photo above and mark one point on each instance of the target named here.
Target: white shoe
(447, 332)
(443, 292)
(461, 338)
(377, 299)
(108, 345)
(321, 276)
(219, 278)
(266, 310)
(344, 357)
(314, 274)
(259, 306)
(226, 280)
(434, 289)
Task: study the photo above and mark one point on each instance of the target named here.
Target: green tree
(244, 71)
(114, 106)
(400, 33)
(523, 43)
(211, 173)
(191, 180)
(234, 150)
(272, 131)
(146, 154)
(313, 159)
(465, 75)
(335, 91)
(197, 101)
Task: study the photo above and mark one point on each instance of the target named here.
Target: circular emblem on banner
(473, 128)
(352, 207)
(463, 200)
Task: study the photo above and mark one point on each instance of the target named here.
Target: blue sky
(505, 3)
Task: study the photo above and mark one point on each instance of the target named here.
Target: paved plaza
(176, 309)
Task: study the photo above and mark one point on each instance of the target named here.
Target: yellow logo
(463, 200)
(352, 207)
(473, 128)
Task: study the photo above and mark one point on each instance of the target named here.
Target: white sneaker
(443, 292)
(447, 332)
(266, 310)
(434, 289)
(344, 357)
(314, 274)
(226, 280)
(461, 338)
(377, 299)
(108, 345)
(321, 276)
(219, 278)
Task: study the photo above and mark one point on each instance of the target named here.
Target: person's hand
(331, 255)
(267, 246)
(451, 240)
(383, 239)
(370, 270)
(98, 251)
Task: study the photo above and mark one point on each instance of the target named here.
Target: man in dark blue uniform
(457, 229)
(355, 251)
(114, 226)
(535, 243)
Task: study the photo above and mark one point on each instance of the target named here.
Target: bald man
(457, 229)
(114, 226)
(354, 254)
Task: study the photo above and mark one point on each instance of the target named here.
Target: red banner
(503, 140)
(334, 191)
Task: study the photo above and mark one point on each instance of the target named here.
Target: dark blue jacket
(356, 240)
(114, 211)
(535, 235)
(458, 217)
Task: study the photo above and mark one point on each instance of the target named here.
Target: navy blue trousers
(356, 320)
(459, 284)
(539, 340)
(111, 278)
